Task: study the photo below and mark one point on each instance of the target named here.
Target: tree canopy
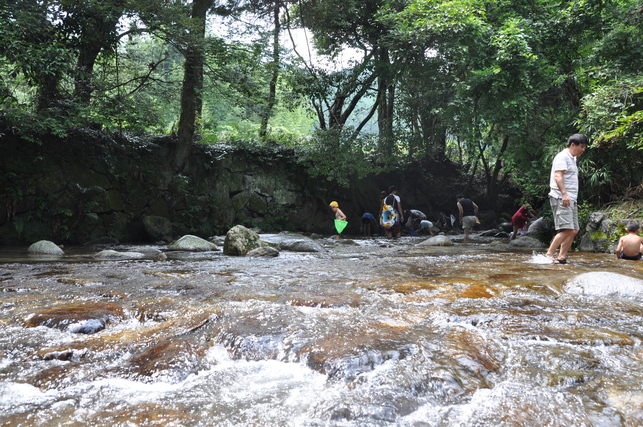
(495, 86)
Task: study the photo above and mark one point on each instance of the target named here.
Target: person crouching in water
(338, 213)
(630, 246)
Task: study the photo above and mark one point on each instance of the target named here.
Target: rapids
(376, 333)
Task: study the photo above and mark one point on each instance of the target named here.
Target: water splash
(539, 259)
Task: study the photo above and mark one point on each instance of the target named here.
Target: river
(375, 333)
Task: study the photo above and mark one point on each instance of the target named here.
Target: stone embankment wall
(92, 185)
(89, 187)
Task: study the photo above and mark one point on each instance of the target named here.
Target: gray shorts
(468, 222)
(565, 217)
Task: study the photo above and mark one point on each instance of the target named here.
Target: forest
(354, 86)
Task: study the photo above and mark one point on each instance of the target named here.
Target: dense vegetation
(494, 86)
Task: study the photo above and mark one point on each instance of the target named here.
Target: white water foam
(539, 259)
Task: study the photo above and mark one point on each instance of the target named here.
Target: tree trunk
(191, 101)
(274, 66)
(84, 69)
(492, 184)
(386, 96)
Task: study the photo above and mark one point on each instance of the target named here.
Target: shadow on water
(373, 333)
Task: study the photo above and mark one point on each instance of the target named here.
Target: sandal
(560, 261)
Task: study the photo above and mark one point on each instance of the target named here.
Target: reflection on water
(374, 334)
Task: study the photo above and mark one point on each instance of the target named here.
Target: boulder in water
(45, 247)
(526, 242)
(240, 240)
(264, 251)
(439, 240)
(603, 283)
(293, 242)
(192, 243)
(506, 227)
(111, 254)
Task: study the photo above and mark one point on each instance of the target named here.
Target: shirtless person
(630, 246)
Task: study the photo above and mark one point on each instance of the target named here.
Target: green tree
(34, 47)
(336, 25)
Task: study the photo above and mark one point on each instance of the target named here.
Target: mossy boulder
(240, 240)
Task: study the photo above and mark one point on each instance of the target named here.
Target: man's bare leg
(564, 240)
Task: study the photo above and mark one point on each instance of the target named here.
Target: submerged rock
(171, 361)
(265, 251)
(45, 247)
(111, 254)
(192, 243)
(602, 283)
(293, 242)
(83, 318)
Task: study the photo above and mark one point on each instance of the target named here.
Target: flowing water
(378, 333)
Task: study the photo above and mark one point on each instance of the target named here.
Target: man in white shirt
(563, 196)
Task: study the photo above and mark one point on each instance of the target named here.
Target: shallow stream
(378, 333)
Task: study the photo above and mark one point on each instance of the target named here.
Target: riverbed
(370, 332)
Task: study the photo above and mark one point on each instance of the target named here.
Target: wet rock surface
(606, 284)
(45, 247)
(82, 318)
(439, 240)
(293, 242)
(191, 243)
(240, 240)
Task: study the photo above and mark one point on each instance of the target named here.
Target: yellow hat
(334, 204)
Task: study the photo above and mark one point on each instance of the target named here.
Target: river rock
(192, 243)
(594, 220)
(85, 318)
(539, 225)
(506, 227)
(240, 240)
(526, 242)
(157, 227)
(45, 247)
(293, 242)
(602, 283)
(355, 350)
(347, 242)
(437, 241)
(586, 243)
(264, 251)
(112, 254)
(171, 360)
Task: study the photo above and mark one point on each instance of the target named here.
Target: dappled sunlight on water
(373, 333)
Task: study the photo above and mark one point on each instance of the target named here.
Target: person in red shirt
(519, 220)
